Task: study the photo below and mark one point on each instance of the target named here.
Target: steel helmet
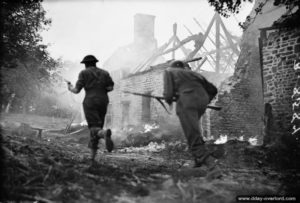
(89, 58)
(177, 64)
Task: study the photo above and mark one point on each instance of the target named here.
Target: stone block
(285, 38)
(268, 77)
(297, 48)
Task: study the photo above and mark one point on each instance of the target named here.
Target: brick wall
(280, 49)
(261, 76)
(151, 82)
(241, 95)
(130, 110)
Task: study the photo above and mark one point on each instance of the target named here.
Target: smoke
(143, 135)
(56, 100)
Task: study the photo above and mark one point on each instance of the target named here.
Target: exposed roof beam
(193, 53)
(229, 38)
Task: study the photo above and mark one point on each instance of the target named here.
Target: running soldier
(96, 83)
(193, 93)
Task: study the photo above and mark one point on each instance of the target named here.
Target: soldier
(191, 91)
(96, 83)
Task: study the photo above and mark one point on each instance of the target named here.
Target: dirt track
(57, 169)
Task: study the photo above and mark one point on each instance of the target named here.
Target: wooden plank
(174, 41)
(221, 49)
(203, 44)
(184, 50)
(202, 29)
(184, 41)
(228, 62)
(40, 131)
(154, 56)
(208, 53)
(218, 56)
(194, 52)
(228, 36)
(189, 31)
(210, 63)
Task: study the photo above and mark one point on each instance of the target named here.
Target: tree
(25, 62)
(228, 7)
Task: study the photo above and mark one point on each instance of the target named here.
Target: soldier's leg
(92, 118)
(102, 109)
(189, 119)
(106, 134)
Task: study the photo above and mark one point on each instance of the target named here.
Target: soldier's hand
(70, 86)
(109, 88)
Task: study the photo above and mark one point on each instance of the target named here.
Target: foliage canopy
(25, 63)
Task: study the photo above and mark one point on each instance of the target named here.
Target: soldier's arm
(73, 89)
(79, 84)
(109, 83)
(168, 87)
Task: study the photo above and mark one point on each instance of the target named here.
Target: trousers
(190, 107)
(95, 110)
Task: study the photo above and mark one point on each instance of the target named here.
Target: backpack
(210, 88)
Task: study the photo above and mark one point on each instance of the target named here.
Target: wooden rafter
(193, 53)
(202, 29)
(223, 41)
(200, 64)
(229, 37)
(218, 57)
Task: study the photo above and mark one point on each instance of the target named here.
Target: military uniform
(192, 99)
(96, 83)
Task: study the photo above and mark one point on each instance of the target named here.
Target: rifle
(187, 61)
(192, 60)
(160, 98)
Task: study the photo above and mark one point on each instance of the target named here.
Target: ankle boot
(200, 161)
(210, 162)
(106, 134)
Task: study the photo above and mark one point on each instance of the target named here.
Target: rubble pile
(138, 137)
(50, 171)
(57, 168)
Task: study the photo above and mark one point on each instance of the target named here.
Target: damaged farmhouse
(142, 66)
(198, 107)
(263, 76)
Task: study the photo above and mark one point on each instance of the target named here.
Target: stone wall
(131, 110)
(280, 49)
(241, 98)
(264, 74)
(242, 95)
(128, 110)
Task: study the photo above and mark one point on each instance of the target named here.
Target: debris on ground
(57, 168)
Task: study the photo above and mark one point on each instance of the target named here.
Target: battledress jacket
(95, 82)
(187, 87)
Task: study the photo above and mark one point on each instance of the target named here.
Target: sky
(100, 27)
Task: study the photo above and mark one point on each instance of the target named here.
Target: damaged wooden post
(40, 131)
(10, 100)
(174, 42)
(268, 124)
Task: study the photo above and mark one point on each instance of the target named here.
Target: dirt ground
(56, 168)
